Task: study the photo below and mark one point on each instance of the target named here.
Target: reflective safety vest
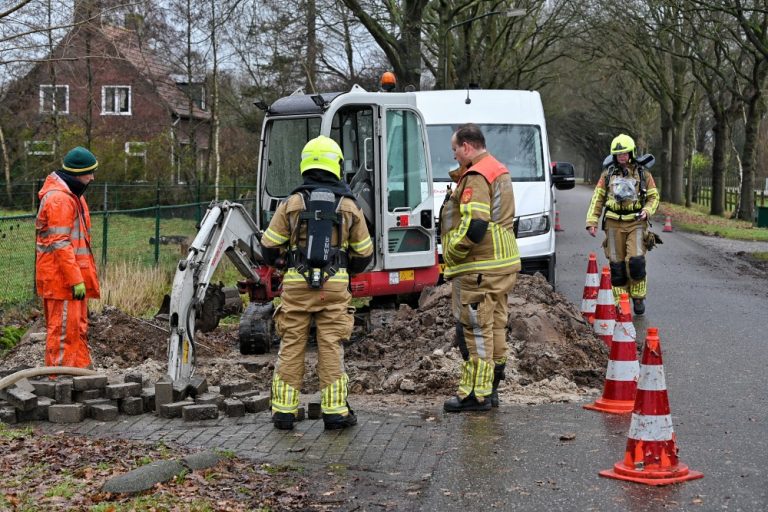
(483, 194)
(63, 243)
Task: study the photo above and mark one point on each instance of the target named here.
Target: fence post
(199, 213)
(157, 226)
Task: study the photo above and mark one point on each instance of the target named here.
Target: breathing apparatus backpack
(318, 260)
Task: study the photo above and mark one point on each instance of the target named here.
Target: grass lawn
(697, 219)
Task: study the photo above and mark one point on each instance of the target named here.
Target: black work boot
(639, 306)
(339, 421)
(283, 420)
(498, 376)
(470, 403)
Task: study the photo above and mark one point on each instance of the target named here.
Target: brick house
(103, 83)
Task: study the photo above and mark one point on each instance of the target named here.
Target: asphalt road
(711, 314)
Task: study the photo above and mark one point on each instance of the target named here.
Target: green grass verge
(697, 219)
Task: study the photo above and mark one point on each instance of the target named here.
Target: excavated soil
(554, 355)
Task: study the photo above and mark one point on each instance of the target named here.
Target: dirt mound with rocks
(554, 355)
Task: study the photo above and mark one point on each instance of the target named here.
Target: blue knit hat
(79, 161)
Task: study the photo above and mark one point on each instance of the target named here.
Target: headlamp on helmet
(322, 153)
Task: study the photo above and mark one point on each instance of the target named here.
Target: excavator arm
(227, 229)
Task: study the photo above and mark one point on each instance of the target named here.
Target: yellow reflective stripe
(474, 207)
(361, 245)
(285, 398)
(275, 237)
(334, 396)
(594, 216)
(638, 289)
(477, 266)
(467, 379)
(484, 378)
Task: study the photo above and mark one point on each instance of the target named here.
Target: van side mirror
(563, 175)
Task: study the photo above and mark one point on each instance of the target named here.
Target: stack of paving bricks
(73, 399)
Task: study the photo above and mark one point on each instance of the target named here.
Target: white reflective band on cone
(651, 428)
(588, 305)
(622, 370)
(605, 297)
(652, 378)
(593, 281)
(624, 333)
(604, 326)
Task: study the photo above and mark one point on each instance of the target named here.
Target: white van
(516, 134)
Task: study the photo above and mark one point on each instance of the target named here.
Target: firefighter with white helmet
(627, 196)
(321, 233)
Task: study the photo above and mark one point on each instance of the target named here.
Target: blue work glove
(78, 291)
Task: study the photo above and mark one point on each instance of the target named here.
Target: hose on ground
(43, 370)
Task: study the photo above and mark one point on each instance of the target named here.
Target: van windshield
(516, 146)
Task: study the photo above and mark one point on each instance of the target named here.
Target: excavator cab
(386, 163)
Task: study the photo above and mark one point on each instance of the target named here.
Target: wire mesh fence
(148, 235)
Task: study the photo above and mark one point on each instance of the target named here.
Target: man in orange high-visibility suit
(65, 271)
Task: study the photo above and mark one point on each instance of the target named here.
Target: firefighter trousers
(66, 325)
(625, 249)
(334, 320)
(481, 312)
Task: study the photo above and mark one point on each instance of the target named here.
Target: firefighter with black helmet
(627, 196)
(321, 233)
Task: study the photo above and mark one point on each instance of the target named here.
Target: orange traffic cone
(667, 224)
(591, 287)
(605, 310)
(623, 369)
(557, 221)
(651, 455)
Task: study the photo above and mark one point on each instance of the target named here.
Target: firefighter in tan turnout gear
(321, 233)
(628, 196)
(482, 261)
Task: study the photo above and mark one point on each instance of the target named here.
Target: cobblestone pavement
(389, 456)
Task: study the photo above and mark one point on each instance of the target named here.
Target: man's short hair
(472, 134)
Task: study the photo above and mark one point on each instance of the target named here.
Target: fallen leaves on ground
(67, 472)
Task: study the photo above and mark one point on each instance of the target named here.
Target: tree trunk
(678, 162)
(311, 84)
(755, 110)
(722, 133)
(664, 158)
(6, 166)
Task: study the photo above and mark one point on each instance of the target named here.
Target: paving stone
(97, 401)
(180, 391)
(132, 405)
(134, 377)
(163, 394)
(234, 407)
(148, 396)
(8, 415)
(245, 394)
(253, 366)
(87, 394)
(66, 413)
(20, 399)
(25, 385)
(63, 394)
(86, 382)
(211, 398)
(254, 404)
(173, 409)
(300, 414)
(198, 412)
(123, 390)
(197, 386)
(104, 412)
(39, 413)
(228, 388)
(45, 388)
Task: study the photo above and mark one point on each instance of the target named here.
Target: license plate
(406, 275)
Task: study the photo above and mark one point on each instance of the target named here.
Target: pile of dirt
(554, 355)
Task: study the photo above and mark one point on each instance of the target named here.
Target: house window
(135, 161)
(54, 99)
(40, 147)
(116, 100)
(195, 92)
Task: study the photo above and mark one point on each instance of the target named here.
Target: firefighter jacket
(63, 246)
(287, 232)
(623, 193)
(477, 221)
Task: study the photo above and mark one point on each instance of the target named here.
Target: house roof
(129, 46)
